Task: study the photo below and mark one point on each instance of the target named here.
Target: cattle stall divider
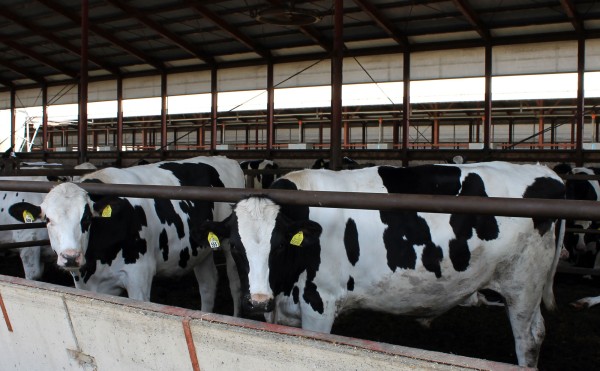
(499, 206)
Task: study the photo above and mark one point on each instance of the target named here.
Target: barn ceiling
(40, 40)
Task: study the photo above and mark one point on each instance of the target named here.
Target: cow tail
(548, 294)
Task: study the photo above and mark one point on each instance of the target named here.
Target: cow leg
(207, 277)
(138, 285)
(32, 264)
(529, 331)
(315, 321)
(234, 283)
(586, 302)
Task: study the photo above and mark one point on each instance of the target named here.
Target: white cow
(303, 266)
(110, 244)
(33, 257)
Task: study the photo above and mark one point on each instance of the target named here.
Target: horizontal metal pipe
(562, 268)
(500, 206)
(45, 172)
(16, 245)
(12, 227)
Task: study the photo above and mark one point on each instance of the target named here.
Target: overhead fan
(288, 15)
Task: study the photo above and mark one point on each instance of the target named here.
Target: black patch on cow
(351, 241)
(267, 179)
(486, 226)
(196, 175)
(86, 219)
(16, 210)
(294, 212)
(118, 233)
(311, 296)
(546, 188)
(405, 229)
(296, 294)
(350, 284)
(140, 215)
(184, 257)
(163, 244)
(165, 211)
(92, 196)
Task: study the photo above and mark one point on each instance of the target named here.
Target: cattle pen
(168, 337)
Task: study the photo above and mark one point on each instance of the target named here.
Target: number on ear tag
(28, 217)
(107, 212)
(213, 241)
(297, 239)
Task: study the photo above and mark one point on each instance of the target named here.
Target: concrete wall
(48, 327)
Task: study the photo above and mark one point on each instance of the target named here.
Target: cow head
(84, 228)
(270, 249)
(64, 206)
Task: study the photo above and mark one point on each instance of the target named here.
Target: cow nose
(258, 303)
(71, 260)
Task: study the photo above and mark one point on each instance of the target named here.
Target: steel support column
(120, 119)
(405, 107)
(213, 108)
(163, 113)
(13, 118)
(44, 119)
(487, 117)
(580, 101)
(270, 108)
(83, 84)
(337, 63)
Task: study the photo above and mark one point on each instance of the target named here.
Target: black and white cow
(583, 248)
(33, 257)
(303, 266)
(347, 163)
(111, 244)
(259, 181)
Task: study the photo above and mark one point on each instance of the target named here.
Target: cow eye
(47, 220)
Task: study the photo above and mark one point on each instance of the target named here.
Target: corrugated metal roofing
(40, 40)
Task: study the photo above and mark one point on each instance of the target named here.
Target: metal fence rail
(500, 206)
(569, 209)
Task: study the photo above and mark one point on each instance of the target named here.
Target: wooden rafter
(468, 12)
(164, 32)
(373, 12)
(105, 35)
(310, 32)
(22, 71)
(38, 57)
(51, 37)
(573, 16)
(240, 37)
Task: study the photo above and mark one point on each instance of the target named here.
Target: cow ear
(25, 212)
(210, 233)
(107, 207)
(304, 233)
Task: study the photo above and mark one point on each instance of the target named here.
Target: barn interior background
(114, 82)
(107, 80)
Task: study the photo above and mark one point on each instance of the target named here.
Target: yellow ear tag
(107, 212)
(213, 240)
(28, 217)
(297, 239)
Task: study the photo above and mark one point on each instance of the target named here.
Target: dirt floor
(572, 337)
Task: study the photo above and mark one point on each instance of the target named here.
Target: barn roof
(40, 40)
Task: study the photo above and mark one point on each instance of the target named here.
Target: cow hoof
(579, 305)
